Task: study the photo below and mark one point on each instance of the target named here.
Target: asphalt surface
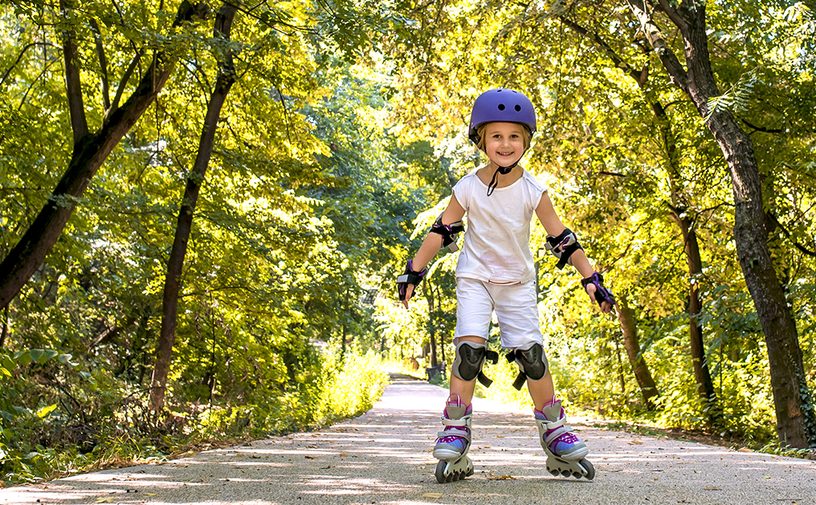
(384, 457)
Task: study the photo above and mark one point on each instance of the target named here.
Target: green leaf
(43, 412)
(42, 355)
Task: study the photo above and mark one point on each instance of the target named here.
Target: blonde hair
(481, 129)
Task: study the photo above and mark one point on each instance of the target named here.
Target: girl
(495, 272)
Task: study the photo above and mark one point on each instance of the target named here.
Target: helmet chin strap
(494, 181)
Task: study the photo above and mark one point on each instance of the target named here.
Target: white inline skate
(566, 453)
(453, 443)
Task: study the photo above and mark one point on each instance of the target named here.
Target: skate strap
(454, 432)
(558, 428)
(456, 427)
(464, 421)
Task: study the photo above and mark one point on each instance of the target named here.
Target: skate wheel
(590, 470)
(554, 472)
(565, 473)
(440, 472)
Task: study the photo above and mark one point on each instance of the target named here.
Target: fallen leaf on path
(432, 495)
(500, 477)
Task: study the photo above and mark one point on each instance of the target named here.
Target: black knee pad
(470, 358)
(532, 361)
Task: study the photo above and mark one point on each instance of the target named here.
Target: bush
(34, 434)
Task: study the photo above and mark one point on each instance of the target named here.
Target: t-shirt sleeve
(462, 191)
(535, 189)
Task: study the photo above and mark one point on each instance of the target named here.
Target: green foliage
(336, 149)
(88, 425)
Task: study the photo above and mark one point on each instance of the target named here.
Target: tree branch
(789, 236)
(671, 12)
(677, 73)
(762, 129)
(79, 124)
(19, 57)
(35, 81)
(610, 52)
(125, 78)
(103, 62)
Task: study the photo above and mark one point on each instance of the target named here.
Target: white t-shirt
(497, 237)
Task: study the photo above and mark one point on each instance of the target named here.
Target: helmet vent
(518, 108)
(501, 106)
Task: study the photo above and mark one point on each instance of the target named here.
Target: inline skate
(453, 443)
(566, 453)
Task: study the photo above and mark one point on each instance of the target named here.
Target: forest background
(204, 206)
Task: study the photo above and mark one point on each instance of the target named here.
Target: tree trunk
(172, 284)
(621, 374)
(795, 420)
(679, 204)
(4, 333)
(626, 316)
(90, 151)
(699, 361)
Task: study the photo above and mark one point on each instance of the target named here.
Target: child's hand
(409, 292)
(606, 307)
(598, 293)
(407, 282)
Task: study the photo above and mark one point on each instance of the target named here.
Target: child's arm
(431, 245)
(552, 223)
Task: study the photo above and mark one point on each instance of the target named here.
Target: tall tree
(631, 342)
(680, 211)
(792, 397)
(172, 284)
(90, 149)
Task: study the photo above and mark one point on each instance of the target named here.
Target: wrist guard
(449, 232)
(410, 276)
(563, 246)
(601, 293)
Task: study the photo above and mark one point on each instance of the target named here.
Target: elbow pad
(563, 246)
(449, 232)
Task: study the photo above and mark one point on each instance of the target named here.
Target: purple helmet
(501, 104)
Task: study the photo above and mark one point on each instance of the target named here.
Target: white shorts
(516, 307)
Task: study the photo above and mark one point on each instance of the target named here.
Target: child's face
(504, 143)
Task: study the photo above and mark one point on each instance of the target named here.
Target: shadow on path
(383, 457)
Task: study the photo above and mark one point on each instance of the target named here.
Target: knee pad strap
(531, 361)
(470, 358)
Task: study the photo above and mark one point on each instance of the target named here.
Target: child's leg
(542, 391)
(454, 440)
(473, 310)
(555, 435)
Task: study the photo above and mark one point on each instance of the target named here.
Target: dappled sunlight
(106, 477)
(352, 485)
(384, 457)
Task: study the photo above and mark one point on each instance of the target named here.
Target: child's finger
(409, 292)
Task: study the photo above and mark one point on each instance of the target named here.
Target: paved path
(383, 457)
